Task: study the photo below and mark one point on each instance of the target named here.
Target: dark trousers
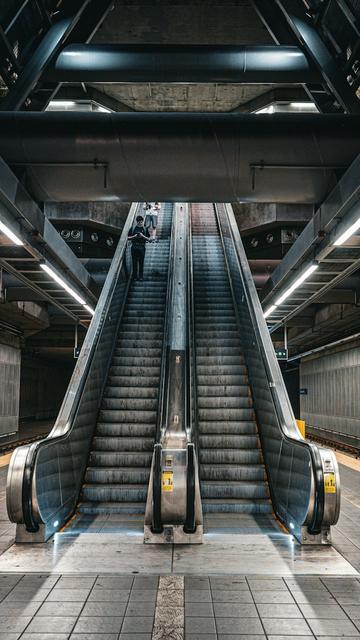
(138, 255)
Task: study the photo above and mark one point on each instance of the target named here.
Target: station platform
(249, 580)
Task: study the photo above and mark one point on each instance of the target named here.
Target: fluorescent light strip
(348, 233)
(7, 232)
(89, 309)
(63, 284)
(269, 310)
(296, 284)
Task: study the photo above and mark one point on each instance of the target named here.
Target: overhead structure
(290, 22)
(109, 63)
(32, 250)
(324, 255)
(215, 157)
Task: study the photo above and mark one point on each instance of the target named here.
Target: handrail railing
(191, 334)
(42, 493)
(297, 490)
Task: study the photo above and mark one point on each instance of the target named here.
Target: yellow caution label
(329, 482)
(167, 481)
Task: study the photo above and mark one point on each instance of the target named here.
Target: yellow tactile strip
(348, 461)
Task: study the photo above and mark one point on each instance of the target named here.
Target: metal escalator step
(223, 369)
(222, 380)
(228, 428)
(137, 351)
(241, 489)
(227, 415)
(123, 391)
(127, 382)
(224, 402)
(117, 475)
(230, 456)
(127, 430)
(216, 346)
(114, 492)
(112, 415)
(134, 372)
(143, 342)
(235, 359)
(211, 505)
(223, 391)
(131, 361)
(91, 508)
(232, 472)
(121, 458)
(229, 441)
(122, 443)
(129, 404)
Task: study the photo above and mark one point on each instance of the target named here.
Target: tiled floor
(53, 607)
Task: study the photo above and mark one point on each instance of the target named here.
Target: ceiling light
(62, 284)
(296, 284)
(89, 309)
(302, 105)
(349, 232)
(61, 103)
(269, 310)
(6, 231)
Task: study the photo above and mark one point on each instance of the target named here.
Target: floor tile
(239, 626)
(68, 595)
(200, 625)
(51, 624)
(197, 595)
(13, 624)
(333, 628)
(95, 609)
(270, 597)
(235, 610)
(109, 595)
(137, 625)
(325, 611)
(285, 626)
(98, 624)
(199, 609)
(143, 595)
(243, 597)
(60, 609)
(279, 611)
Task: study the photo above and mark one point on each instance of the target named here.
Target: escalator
(116, 479)
(252, 457)
(97, 458)
(232, 471)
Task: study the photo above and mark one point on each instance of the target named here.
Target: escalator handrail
(163, 383)
(192, 391)
(190, 525)
(68, 411)
(284, 413)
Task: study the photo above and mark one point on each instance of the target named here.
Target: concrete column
(10, 359)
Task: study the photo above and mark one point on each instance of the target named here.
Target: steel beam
(103, 63)
(317, 51)
(200, 157)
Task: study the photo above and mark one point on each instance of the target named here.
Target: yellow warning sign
(168, 481)
(329, 482)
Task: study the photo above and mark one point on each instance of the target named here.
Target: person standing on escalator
(138, 236)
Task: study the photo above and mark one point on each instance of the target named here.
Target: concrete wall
(42, 387)
(332, 402)
(10, 356)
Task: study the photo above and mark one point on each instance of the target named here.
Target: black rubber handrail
(156, 520)
(190, 525)
(29, 520)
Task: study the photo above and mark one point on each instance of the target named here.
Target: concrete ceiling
(183, 22)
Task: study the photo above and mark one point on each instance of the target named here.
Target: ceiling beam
(111, 63)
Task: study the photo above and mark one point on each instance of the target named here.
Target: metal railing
(45, 478)
(303, 478)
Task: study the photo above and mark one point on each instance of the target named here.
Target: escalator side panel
(117, 475)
